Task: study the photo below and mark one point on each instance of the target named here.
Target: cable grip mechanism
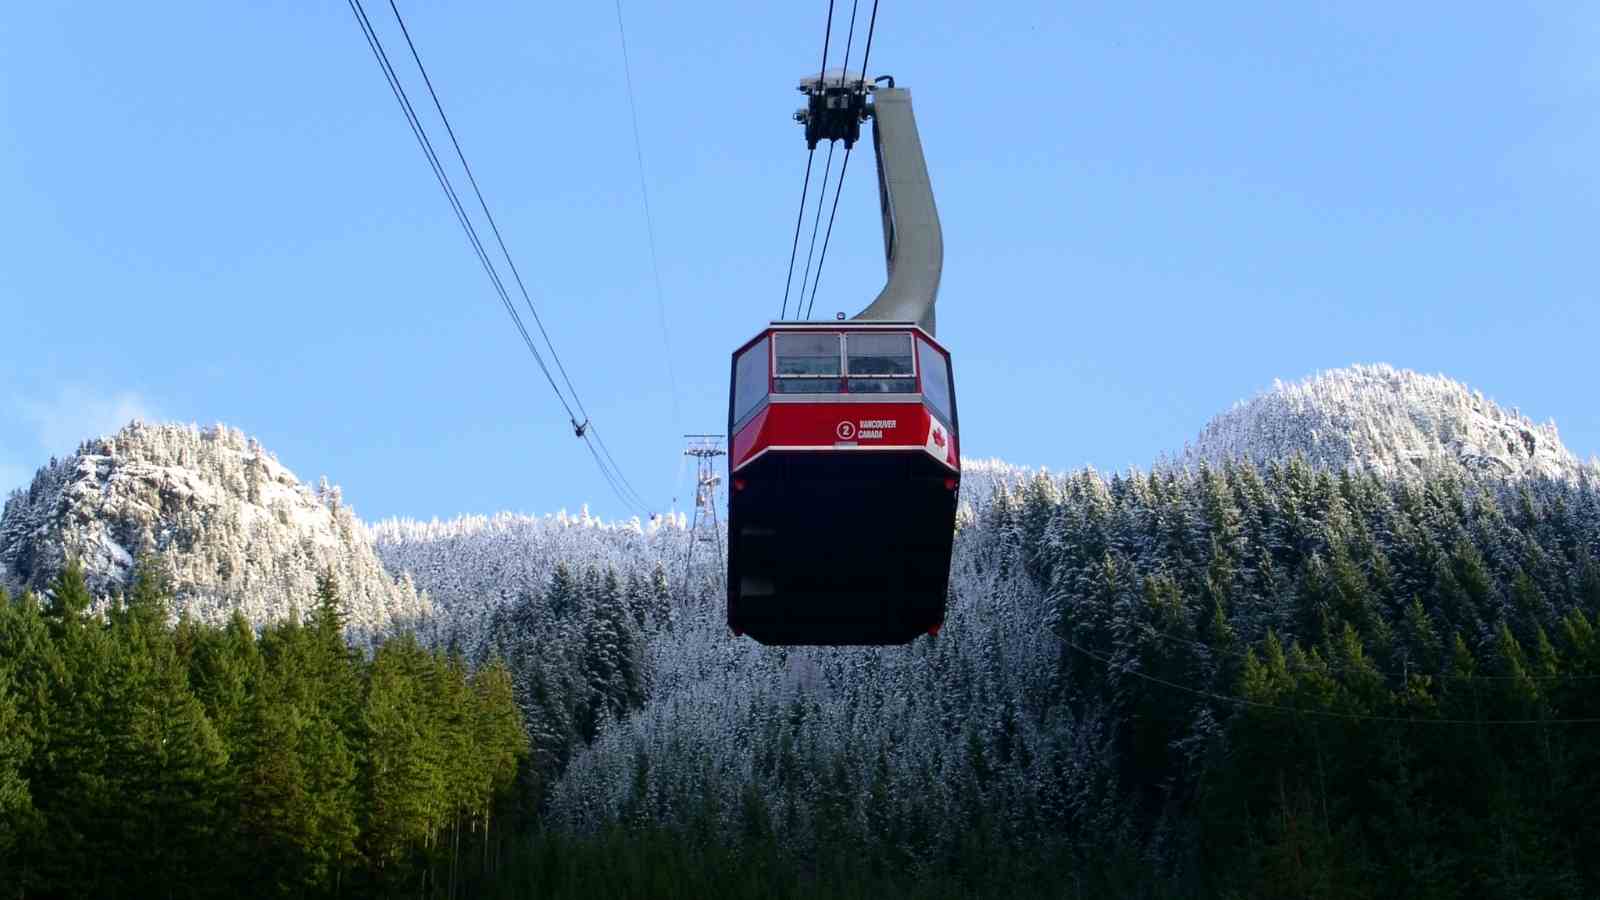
(836, 105)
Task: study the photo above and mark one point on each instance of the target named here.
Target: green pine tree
(16, 802)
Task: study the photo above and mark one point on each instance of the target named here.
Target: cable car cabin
(843, 470)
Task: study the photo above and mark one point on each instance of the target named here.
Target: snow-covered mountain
(231, 527)
(234, 529)
(1393, 421)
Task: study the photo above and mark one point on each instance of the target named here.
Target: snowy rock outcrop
(1394, 421)
(231, 527)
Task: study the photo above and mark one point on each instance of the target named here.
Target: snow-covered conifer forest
(1386, 419)
(1343, 646)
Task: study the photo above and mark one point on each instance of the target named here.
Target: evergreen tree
(76, 793)
(661, 596)
(403, 781)
(298, 777)
(170, 765)
(562, 597)
(148, 599)
(69, 595)
(225, 671)
(16, 802)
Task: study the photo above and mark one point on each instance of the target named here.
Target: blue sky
(216, 213)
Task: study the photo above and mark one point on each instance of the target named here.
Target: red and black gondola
(844, 468)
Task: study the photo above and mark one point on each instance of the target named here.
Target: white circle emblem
(846, 430)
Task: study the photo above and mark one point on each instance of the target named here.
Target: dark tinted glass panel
(808, 354)
(935, 379)
(883, 385)
(876, 353)
(750, 380)
(806, 386)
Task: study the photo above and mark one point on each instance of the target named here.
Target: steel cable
(844, 166)
(816, 221)
(649, 221)
(454, 199)
(612, 473)
(811, 152)
(488, 216)
(794, 248)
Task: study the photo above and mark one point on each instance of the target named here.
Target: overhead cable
(629, 495)
(816, 221)
(845, 166)
(649, 222)
(420, 133)
(866, 55)
(850, 39)
(799, 217)
(612, 478)
(488, 216)
(824, 258)
(800, 214)
(611, 473)
(637, 497)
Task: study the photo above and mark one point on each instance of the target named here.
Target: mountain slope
(231, 527)
(1392, 421)
(1122, 675)
(475, 567)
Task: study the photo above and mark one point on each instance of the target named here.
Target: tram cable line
(836, 192)
(488, 216)
(454, 199)
(649, 221)
(850, 37)
(585, 428)
(815, 222)
(638, 498)
(849, 41)
(612, 479)
(866, 55)
(611, 473)
(861, 85)
(827, 37)
(799, 217)
(800, 214)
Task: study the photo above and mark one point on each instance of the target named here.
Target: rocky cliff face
(1391, 420)
(229, 525)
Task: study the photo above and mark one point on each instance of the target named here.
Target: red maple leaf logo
(938, 437)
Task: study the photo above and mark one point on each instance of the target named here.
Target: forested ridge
(1238, 680)
(139, 759)
(1270, 681)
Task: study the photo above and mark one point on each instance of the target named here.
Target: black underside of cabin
(839, 548)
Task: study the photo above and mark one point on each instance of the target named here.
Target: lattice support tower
(706, 527)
